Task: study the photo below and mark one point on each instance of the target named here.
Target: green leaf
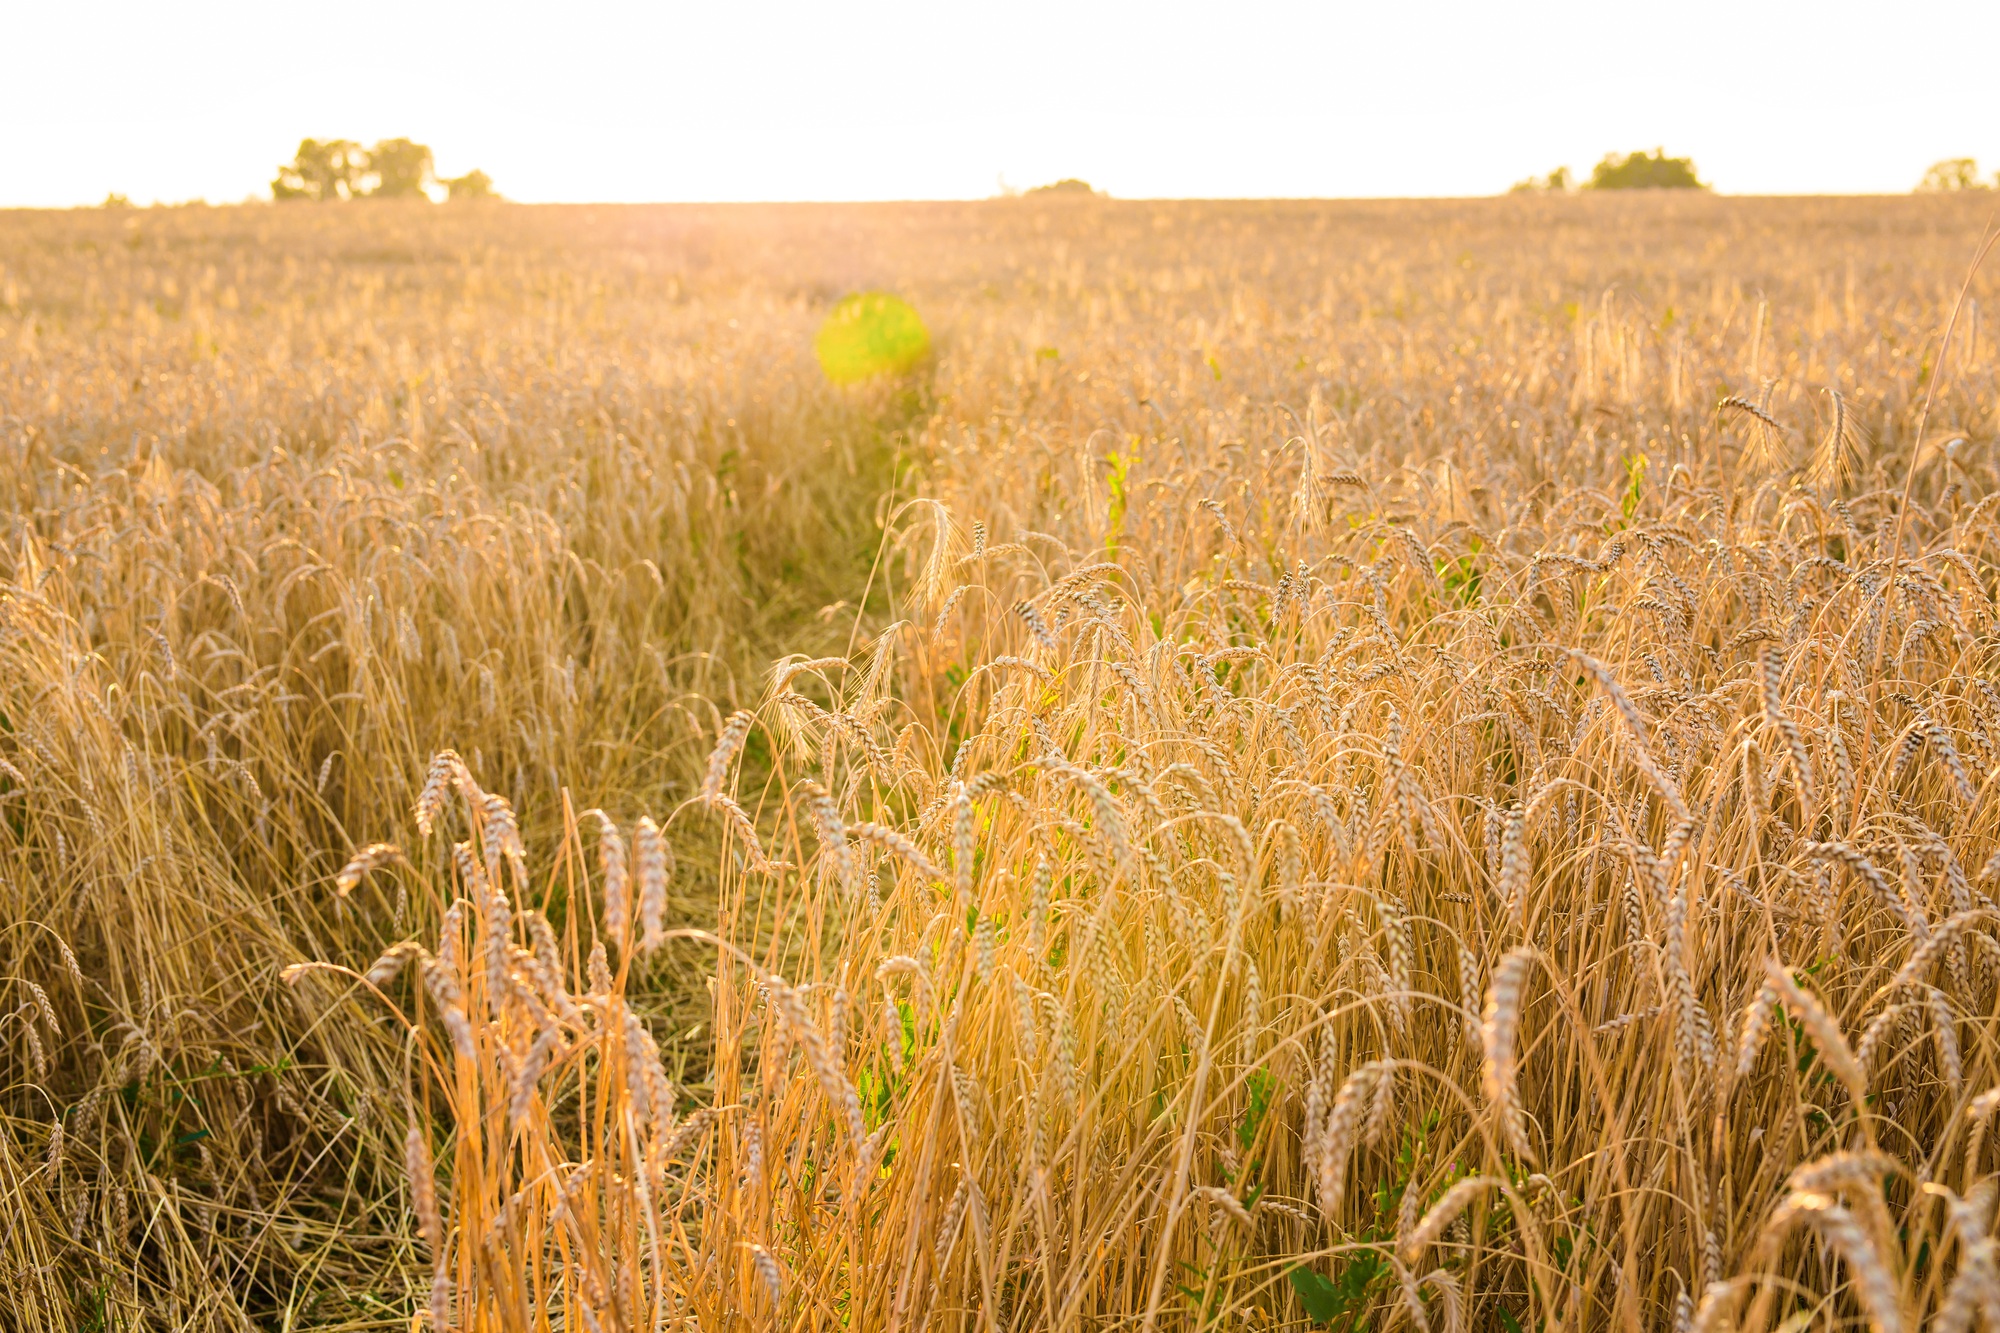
(1635, 474)
(1261, 1083)
(1342, 1298)
(1324, 1301)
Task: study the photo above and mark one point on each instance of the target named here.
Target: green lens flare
(869, 334)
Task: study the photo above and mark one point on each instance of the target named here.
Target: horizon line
(1067, 199)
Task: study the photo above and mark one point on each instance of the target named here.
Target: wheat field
(1350, 765)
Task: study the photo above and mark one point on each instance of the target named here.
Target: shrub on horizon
(1067, 185)
(1952, 175)
(1558, 181)
(1643, 171)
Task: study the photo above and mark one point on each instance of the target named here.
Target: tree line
(1655, 171)
(326, 169)
(1954, 174)
(1633, 171)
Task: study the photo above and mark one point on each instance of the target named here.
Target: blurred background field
(297, 497)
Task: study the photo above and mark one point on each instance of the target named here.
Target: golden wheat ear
(1767, 447)
(1838, 459)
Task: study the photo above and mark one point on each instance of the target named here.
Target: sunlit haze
(603, 101)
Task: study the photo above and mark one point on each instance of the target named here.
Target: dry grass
(1359, 784)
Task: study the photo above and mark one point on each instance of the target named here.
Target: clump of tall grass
(566, 1144)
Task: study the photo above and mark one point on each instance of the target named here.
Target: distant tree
(115, 200)
(1556, 182)
(474, 184)
(1951, 175)
(399, 169)
(322, 169)
(392, 169)
(1642, 171)
(1067, 185)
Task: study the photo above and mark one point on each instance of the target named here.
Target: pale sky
(595, 100)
